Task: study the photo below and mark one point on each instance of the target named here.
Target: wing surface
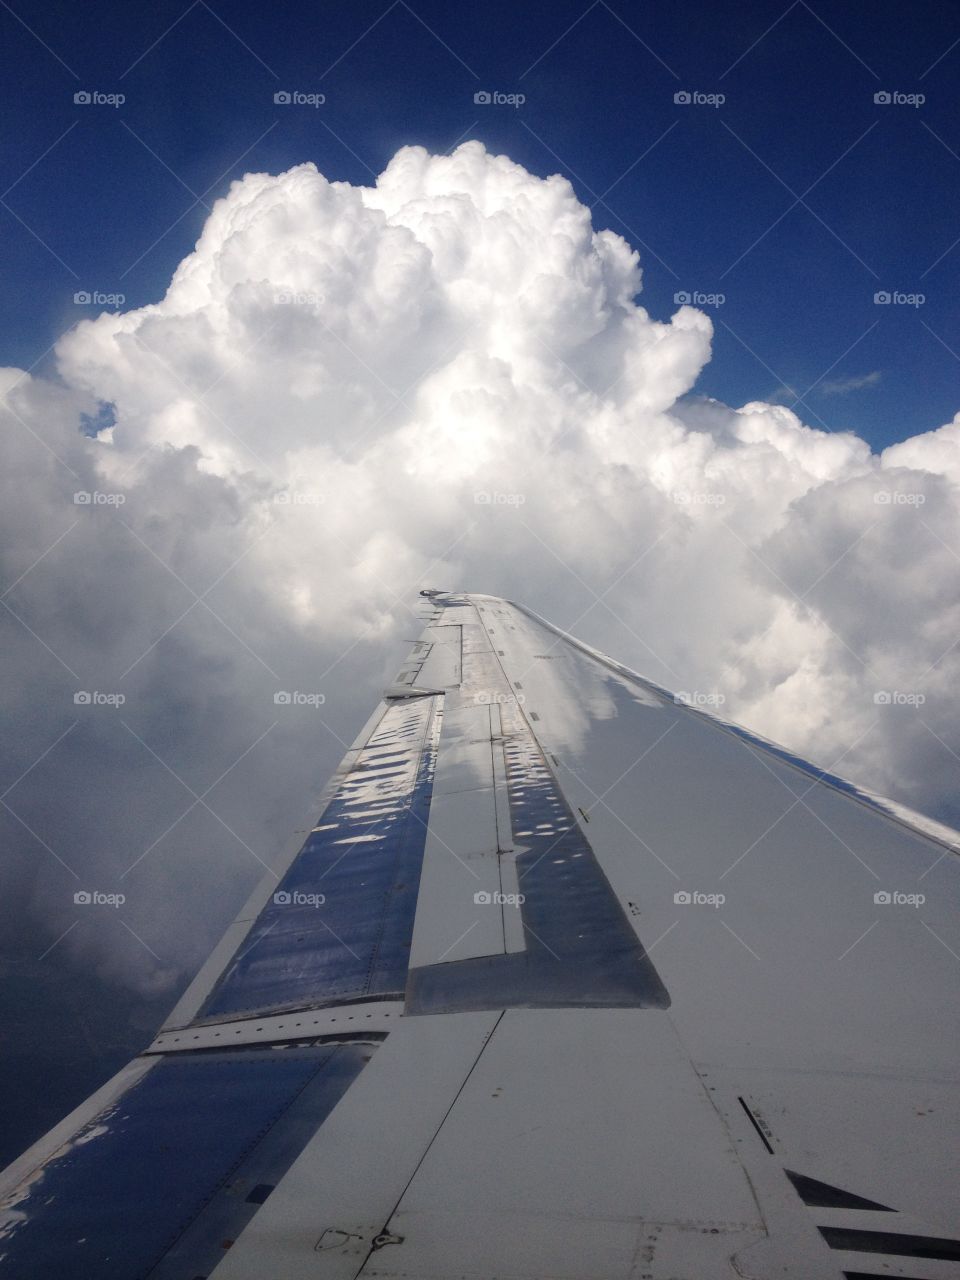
(570, 979)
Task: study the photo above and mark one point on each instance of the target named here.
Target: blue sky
(798, 198)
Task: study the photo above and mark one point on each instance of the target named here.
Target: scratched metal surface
(363, 860)
(158, 1181)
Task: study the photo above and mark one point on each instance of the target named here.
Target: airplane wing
(570, 979)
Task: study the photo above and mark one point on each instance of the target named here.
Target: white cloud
(843, 386)
(302, 425)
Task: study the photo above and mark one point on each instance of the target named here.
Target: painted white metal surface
(322, 1220)
(843, 1006)
(441, 667)
(468, 885)
(460, 862)
(575, 1129)
(465, 762)
(433, 663)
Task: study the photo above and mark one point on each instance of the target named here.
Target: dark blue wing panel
(339, 926)
(161, 1181)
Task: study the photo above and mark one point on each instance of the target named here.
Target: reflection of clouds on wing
(347, 394)
(577, 690)
(548, 682)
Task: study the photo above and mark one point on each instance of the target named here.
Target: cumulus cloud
(348, 393)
